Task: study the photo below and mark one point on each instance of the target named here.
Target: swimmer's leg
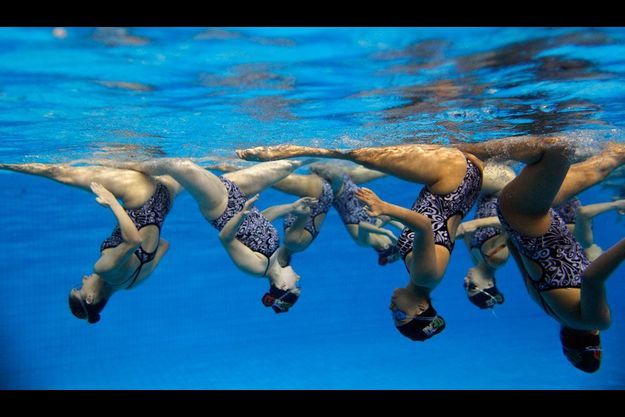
(131, 187)
(525, 201)
(256, 178)
(593, 170)
(205, 187)
(440, 168)
(527, 149)
(301, 185)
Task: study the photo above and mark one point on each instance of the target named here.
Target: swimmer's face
(475, 281)
(287, 279)
(481, 290)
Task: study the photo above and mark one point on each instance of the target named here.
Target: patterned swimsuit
(153, 212)
(568, 210)
(486, 207)
(559, 255)
(350, 208)
(256, 232)
(440, 208)
(322, 207)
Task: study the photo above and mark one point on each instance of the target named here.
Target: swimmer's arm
(244, 258)
(364, 228)
(105, 198)
(129, 231)
(425, 269)
(471, 226)
(583, 220)
(375, 206)
(114, 258)
(601, 268)
(119, 255)
(229, 232)
(396, 224)
(278, 211)
(384, 220)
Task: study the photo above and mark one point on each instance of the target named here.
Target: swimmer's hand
(303, 206)
(375, 206)
(620, 206)
(248, 204)
(464, 228)
(104, 196)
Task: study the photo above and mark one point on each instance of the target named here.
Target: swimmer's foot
(616, 149)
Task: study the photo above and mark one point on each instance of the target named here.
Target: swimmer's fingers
(309, 201)
(620, 206)
(104, 196)
(367, 196)
(250, 202)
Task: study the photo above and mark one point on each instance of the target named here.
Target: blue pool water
(196, 92)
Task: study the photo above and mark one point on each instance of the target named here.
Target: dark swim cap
(424, 326)
(84, 311)
(384, 254)
(487, 298)
(582, 348)
(279, 300)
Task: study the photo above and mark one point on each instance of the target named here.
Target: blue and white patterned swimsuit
(323, 205)
(568, 210)
(559, 255)
(256, 232)
(153, 212)
(486, 207)
(349, 207)
(440, 208)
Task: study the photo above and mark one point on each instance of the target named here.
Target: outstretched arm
(469, 227)
(299, 207)
(364, 228)
(274, 212)
(584, 216)
(602, 267)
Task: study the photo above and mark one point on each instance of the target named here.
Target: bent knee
(558, 146)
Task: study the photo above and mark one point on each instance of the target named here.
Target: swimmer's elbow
(603, 323)
(135, 240)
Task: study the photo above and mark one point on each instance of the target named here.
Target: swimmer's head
(388, 255)
(481, 289)
(86, 301)
(582, 348)
(420, 328)
(280, 300)
(283, 290)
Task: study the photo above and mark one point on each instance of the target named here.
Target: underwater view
(316, 208)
